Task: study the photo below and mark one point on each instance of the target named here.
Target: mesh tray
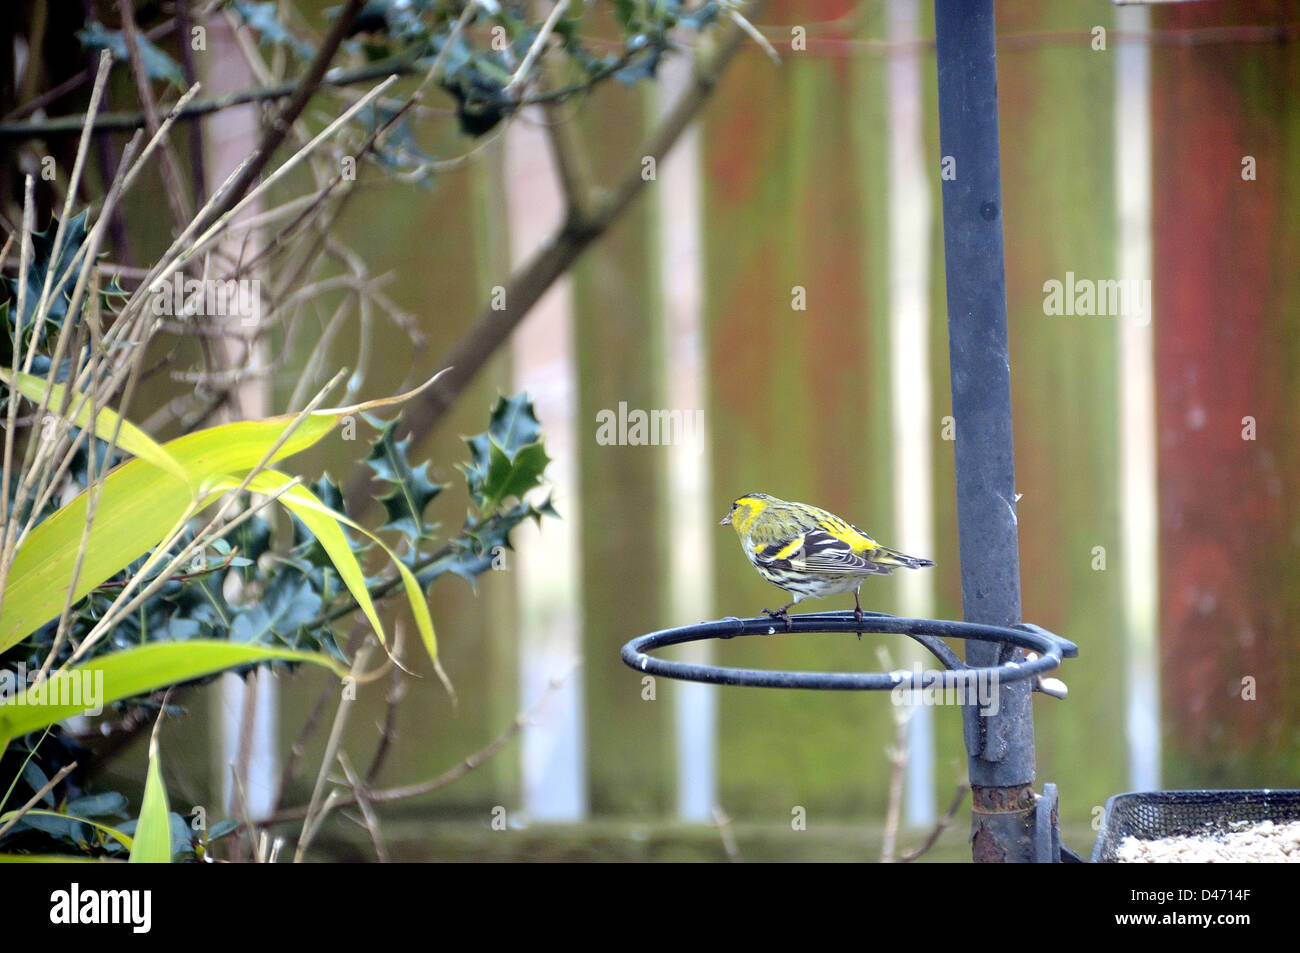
(1155, 814)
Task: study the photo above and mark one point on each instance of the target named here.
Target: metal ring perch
(1051, 649)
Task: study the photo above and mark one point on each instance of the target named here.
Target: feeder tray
(1151, 815)
(929, 632)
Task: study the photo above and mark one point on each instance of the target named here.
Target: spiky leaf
(507, 459)
(288, 603)
(411, 489)
(61, 275)
(157, 64)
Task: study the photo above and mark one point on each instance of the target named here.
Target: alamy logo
(654, 428)
(83, 691)
(133, 907)
(1119, 298)
(947, 688)
(210, 297)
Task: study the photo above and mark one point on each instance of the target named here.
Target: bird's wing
(816, 550)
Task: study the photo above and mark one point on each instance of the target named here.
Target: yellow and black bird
(809, 552)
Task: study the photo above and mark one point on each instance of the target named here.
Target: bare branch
(47, 787)
(363, 802)
(943, 824)
(314, 810)
(171, 176)
(723, 822)
(455, 773)
(898, 755)
(532, 279)
(535, 48)
(306, 88)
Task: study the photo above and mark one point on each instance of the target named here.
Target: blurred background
(779, 288)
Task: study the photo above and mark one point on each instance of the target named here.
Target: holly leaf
(305, 545)
(699, 19)
(288, 603)
(398, 151)
(62, 282)
(265, 19)
(481, 544)
(508, 458)
(514, 423)
(647, 53)
(411, 489)
(509, 478)
(157, 64)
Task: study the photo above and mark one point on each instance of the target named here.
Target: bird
(808, 551)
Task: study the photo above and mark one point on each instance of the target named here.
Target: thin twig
(34, 449)
(388, 730)
(35, 799)
(75, 82)
(570, 159)
(436, 69)
(167, 164)
(722, 820)
(531, 280)
(898, 755)
(279, 127)
(128, 121)
(367, 812)
(486, 753)
(329, 689)
(334, 79)
(943, 824)
(346, 699)
(198, 167)
(535, 48)
(739, 19)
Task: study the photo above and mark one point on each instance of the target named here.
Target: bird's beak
(726, 520)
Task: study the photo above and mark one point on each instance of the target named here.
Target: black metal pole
(1000, 747)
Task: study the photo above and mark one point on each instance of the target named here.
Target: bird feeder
(983, 687)
(1009, 821)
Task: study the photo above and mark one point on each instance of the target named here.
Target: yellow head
(745, 510)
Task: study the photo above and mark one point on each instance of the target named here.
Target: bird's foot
(783, 614)
(857, 617)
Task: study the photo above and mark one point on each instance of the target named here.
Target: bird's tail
(889, 557)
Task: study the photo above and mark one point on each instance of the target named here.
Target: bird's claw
(781, 614)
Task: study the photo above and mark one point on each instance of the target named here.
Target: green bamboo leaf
(129, 438)
(153, 832)
(113, 832)
(140, 504)
(324, 523)
(53, 859)
(133, 672)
